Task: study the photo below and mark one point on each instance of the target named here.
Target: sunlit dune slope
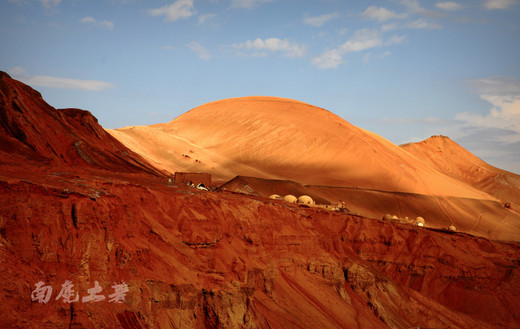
(451, 159)
(285, 139)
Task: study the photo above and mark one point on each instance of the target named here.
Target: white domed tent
(290, 198)
(419, 221)
(275, 197)
(305, 199)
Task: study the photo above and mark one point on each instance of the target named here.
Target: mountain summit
(451, 159)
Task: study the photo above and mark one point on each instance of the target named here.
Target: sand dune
(280, 138)
(451, 159)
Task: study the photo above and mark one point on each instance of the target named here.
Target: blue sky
(404, 69)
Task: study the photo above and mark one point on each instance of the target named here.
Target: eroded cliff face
(32, 130)
(214, 260)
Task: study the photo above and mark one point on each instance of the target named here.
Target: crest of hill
(448, 157)
(280, 138)
(32, 130)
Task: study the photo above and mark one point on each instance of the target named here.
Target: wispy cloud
(180, 9)
(204, 18)
(448, 6)
(418, 24)
(259, 47)
(381, 14)
(414, 7)
(493, 135)
(503, 93)
(202, 52)
(422, 24)
(109, 25)
(499, 4)
(407, 121)
(500, 85)
(248, 4)
(369, 56)
(361, 40)
(49, 4)
(56, 82)
(320, 20)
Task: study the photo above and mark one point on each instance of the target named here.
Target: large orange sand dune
(285, 139)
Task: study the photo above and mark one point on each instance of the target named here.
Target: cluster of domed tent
(419, 221)
(303, 199)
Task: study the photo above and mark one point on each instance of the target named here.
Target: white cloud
(504, 115)
(180, 9)
(205, 18)
(413, 5)
(395, 40)
(422, 24)
(500, 85)
(248, 4)
(202, 52)
(381, 14)
(330, 58)
(87, 19)
(48, 4)
(493, 135)
(259, 46)
(320, 20)
(109, 25)
(503, 93)
(419, 24)
(55, 82)
(362, 40)
(448, 6)
(369, 56)
(389, 27)
(498, 4)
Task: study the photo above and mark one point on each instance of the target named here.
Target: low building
(187, 178)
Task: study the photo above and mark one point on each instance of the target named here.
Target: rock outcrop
(32, 130)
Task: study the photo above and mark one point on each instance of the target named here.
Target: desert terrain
(98, 208)
(283, 139)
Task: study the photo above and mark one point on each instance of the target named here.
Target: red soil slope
(451, 159)
(193, 259)
(30, 129)
(280, 138)
(213, 260)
